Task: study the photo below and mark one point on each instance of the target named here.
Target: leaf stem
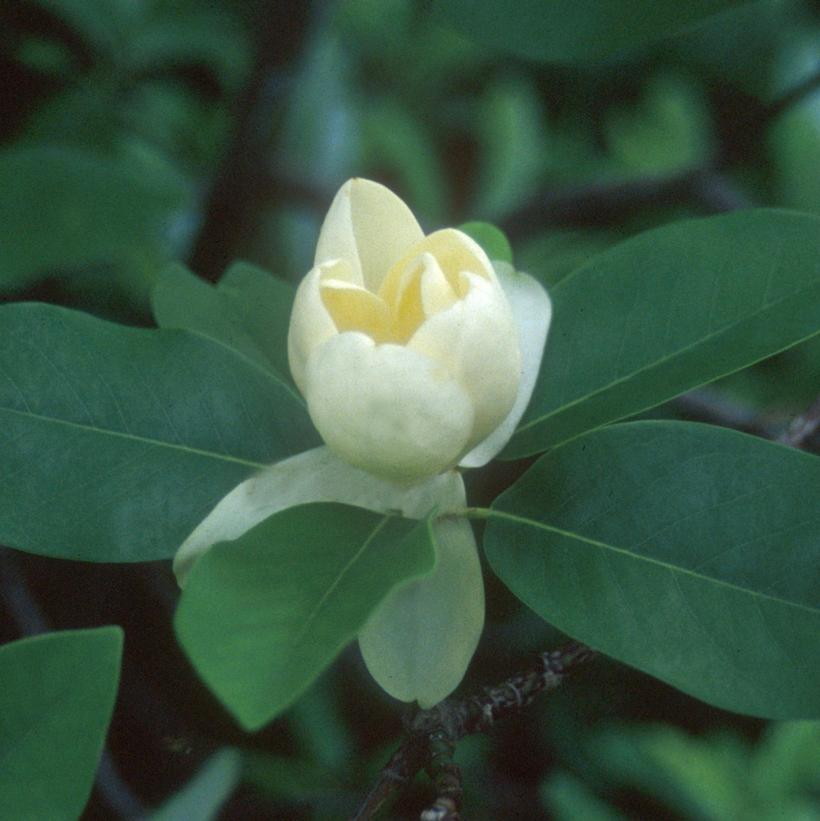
(475, 512)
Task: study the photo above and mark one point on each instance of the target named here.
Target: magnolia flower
(405, 346)
(415, 354)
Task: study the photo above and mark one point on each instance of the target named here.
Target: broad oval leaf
(248, 311)
(117, 441)
(572, 31)
(667, 311)
(260, 617)
(691, 552)
(57, 693)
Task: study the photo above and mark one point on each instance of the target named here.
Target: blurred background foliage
(138, 132)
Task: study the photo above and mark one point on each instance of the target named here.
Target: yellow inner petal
(407, 313)
(355, 309)
(415, 288)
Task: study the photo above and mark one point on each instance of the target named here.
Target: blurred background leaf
(576, 30)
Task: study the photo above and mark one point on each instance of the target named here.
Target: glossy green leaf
(248, 311)
(691, 552)
(202, 797)
(64, 209)
(262, 616)
(264, 303)
(571, 31)
(667, 311)
(117, 441)
(57, 692)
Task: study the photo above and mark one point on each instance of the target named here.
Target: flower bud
(404, 345)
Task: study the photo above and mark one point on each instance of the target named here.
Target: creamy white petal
(419, 641)
(310, 321)
(368, 225)
(313, 476)
(387, 409)
(532, 311)
(477, 340)
(356, 309)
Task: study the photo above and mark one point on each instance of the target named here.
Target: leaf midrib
(523, 520)
(223, 457)
(314, 613)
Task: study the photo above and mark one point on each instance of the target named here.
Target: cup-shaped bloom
(404, 345)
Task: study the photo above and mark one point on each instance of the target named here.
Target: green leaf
(667, 311)
(264, 303)
(63, 209)
(688, 551)
(207, 791)
(491, 238)
(260, 617)
(572, 31)
(117, 441)
(57, 692)
(248, 312)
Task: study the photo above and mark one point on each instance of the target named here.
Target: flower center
(422, 284)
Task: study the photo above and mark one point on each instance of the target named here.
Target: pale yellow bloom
(404, 345)
(415, 354)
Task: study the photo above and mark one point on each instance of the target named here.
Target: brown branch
(712, 406)
(230, 210)
(803, 427)
(432, 733)
(610, 202)
(446, 775)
